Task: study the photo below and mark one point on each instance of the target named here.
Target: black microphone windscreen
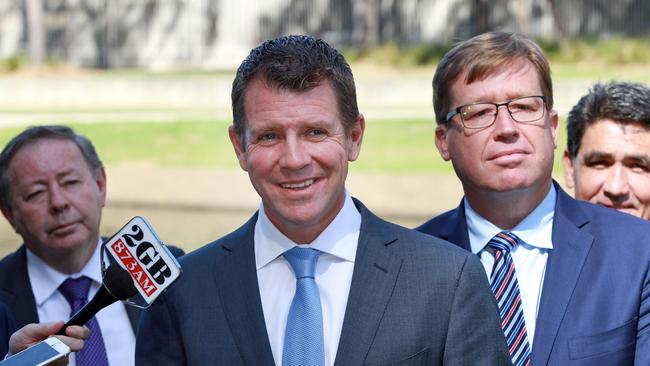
(119, 283)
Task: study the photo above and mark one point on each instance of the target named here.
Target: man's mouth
(298, 185)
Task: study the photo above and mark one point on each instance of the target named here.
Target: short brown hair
(481, 56)
(296, 63)
(37, 133)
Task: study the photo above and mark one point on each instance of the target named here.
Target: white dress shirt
(334, 268)
(529, 257)
(119, 338)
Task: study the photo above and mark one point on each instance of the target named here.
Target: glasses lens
(478, 115)
(526, 109)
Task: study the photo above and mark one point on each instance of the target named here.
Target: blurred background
(148, 81)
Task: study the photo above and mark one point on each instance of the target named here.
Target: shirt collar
(340, 237)
(535, 229)
(46, 280)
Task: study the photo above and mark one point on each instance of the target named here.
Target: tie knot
(303, 261)
(75, 289)
(504, 241)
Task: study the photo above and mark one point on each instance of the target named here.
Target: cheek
(589, 182)
(640, 186)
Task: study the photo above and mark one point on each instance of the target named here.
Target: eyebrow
(595, 155)
(640, 158)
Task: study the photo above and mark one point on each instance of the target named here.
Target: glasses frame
(457, 110)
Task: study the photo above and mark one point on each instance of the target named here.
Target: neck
(506, 209)
(69, 261)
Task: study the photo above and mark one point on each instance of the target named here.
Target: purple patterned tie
(94, 352)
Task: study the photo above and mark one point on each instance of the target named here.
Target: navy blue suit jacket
(7, 326)
(595, 304)
(411, 302)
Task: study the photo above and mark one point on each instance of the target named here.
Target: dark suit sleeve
(642, 354)
(158, 340)
(474, 336)
(7, 327)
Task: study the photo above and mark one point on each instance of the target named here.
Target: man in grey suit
(372, 292)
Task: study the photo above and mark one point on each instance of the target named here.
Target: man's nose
(295, 154)
(504, 125)
(58, 198)
(616, 184)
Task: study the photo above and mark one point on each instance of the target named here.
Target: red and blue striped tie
(506, 290)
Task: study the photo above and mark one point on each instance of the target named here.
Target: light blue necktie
(303, 337)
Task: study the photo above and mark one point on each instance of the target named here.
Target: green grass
(390, 146)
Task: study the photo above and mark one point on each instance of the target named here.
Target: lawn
(389, 146)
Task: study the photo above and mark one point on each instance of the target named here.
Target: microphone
(117, 285)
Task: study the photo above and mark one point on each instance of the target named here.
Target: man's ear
(100, 180)
(356, 137)
(441, 142)
(567, 161)
(555, 125)
(8, 213)
(240, 150)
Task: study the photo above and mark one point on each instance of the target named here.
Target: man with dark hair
(607, 160)
(314, 278)
(52, 191)
(567, 294)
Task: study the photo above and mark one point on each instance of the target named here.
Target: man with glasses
(566, 293)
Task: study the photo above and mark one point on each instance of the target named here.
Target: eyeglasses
(482, 115)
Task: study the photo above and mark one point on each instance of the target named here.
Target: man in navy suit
(52, 191)
(376, 294)
(580, 273)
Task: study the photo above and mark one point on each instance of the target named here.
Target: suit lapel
(376, 270)
(236, 278)
(571, 246)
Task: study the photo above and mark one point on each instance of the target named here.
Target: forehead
(516, 79)
(265, 104)
(46, 156)
(609, 136)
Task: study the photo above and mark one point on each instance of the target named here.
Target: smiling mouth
(299, 185)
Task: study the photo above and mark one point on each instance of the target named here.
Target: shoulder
(444, 220)
(416, 246)
(210, 254)
(605, 221)
(12, 264)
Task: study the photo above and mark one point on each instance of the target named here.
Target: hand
(31, 334)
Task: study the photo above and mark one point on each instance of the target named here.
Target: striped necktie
(506, 290)
(303, 337)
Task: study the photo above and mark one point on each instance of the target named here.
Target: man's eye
(267, 137)
(318, 133)
(33, 195)
(71, 182)
(640, 168)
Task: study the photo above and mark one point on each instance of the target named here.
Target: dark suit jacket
(7, 326)
(595, 304)
(414, 300)
(16, 290)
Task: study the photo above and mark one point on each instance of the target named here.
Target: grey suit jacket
(414, 300)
